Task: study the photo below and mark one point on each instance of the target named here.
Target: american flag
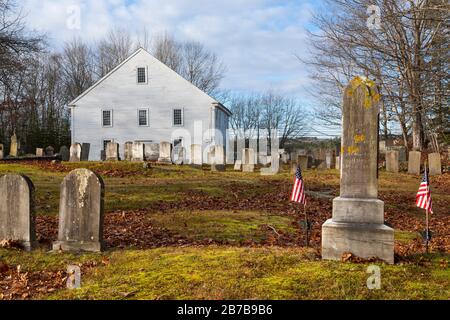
(298, 192)
(423, 198)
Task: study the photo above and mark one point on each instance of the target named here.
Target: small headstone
(14, 147)
(64, 153)
(2, 152)
(49, 151)
(39, 152)
(196, 155)
(17, 218)
(137, 152)
(274, 165)
(392, 162)
(179, 155)
(338, 163)
(151, 151)
(248, 160)
(357, 224)
(414, 162)
(128, 150)
(85, 148)
(330, 159)
(434, 162)
(75, 152)
(102, 155)
(81, 212)
(112, 151)
(302, 161)
(285, 157)
(165, 151)
(238, 165)
(219, 159)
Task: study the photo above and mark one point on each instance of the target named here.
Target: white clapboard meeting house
(143, 100)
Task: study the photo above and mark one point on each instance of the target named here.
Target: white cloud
(256, 39)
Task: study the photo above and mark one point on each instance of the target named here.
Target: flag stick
(306, 225)
(427, 218)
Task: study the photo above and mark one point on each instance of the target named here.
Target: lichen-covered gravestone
(137, 152)
(414, 162)
(338, 163)
(14, 147)
(112, 151)
(151, 151)
(128, 151)
(17, 219)
(357, 225)
(75, 152)
(81, 212)
(165, 151)
(434, 160)
(392, 161)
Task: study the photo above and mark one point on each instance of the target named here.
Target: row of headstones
(80, 213)
(414, 162)
(40, 152)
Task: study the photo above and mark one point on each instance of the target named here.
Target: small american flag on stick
(298, 192)
(423, 197)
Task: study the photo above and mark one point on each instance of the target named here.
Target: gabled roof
(73, 103)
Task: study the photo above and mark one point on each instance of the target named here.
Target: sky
(258, 40)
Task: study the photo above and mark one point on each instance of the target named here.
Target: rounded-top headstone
(17, 218)
(81, 212)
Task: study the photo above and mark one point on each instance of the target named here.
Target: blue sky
(256, 39)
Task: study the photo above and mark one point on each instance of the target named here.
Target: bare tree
(167, 50)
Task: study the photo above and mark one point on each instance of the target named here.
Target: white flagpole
(427, 218)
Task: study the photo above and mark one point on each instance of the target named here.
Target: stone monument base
(93, 246)
(164, 160)
(364, 240)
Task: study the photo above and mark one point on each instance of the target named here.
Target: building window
(141, 75)
(177, 117)
(143, 117)
(107, 120)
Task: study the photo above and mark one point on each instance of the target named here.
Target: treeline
(404, 46)
(37, 82)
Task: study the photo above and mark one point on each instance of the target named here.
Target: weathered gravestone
(330, 159)
(137, 152)
(128, 150)
(75, 152)
(414, 162)
(196, 155)
(274, 165)
(179, 155)
(357, 225)
(85, 149)
(49, 151)
(112, 151)
(151, 151)
(238, 165)
(165, 152)
(285, 157)
(392, 161)
(39, 152)
(218, 161)
(434, 162)
(17, 218)
(81, 212)
(64, 153)
(14, 147)
(338, 163)
(302, 161)
(248, 160)
(2, 152)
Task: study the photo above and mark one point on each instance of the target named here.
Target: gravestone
(128, 151)
(64, 153)
(85, 148)
(330, 159)
(49, 151)
(414, 162)
(338, 163)
(434, 163)
(17, 218)
(112, 151)
(392, 161)
(14, 147)
(39, 152)
(151, 151)
(102, 155)
(165, 150)
(137, 152)
(401, 152)
(274, 166)
(196, 155)
(81, 212)
(219, 159)
(302, 161)
(2, 152)
(285, 157)
(248, 160)
(179, 155)
(238, 165)
(210, 155)
(357, 225)
(75, 152)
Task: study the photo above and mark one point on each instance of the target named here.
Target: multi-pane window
(177, 117)
(143, 117)
(107, 118)
(141, 75)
